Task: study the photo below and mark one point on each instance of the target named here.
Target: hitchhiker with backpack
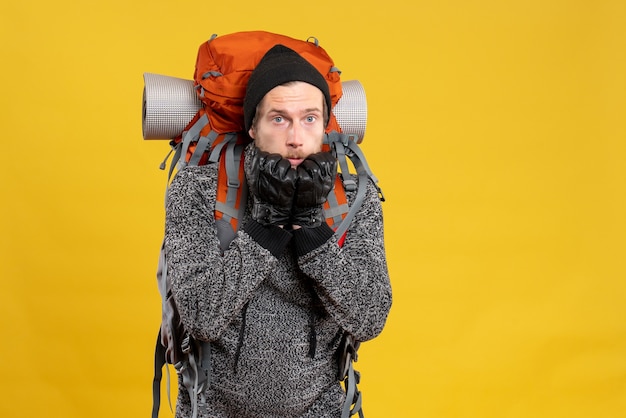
(273, 267)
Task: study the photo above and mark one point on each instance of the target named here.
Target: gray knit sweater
(275, 304)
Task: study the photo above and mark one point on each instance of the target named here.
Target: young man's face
(290, 121)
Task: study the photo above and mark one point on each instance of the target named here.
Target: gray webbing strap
(360, 163)
(192, 135)
(345, 148)
(335, 210)
(358, 201)
(175, 159)
(204, 143)
(217, 150)
(195, 371)
(229, 212)
(194, 388)
(163, 290)
(339, 141)
(353, 396)
(348, 183)
(232, 165)
(350, 378)
(164, 162)
(233, 159)
(190, 381)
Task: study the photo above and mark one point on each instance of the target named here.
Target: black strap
(159, 362)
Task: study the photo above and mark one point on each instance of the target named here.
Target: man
(277, 302)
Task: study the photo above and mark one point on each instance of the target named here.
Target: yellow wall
(497, 130)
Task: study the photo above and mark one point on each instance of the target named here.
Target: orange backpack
(215, 136)
(223, 67)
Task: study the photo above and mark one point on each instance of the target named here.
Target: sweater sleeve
(209, 287)
(353, 281)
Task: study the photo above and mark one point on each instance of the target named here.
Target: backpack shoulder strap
(198, 145)
(339, 215)
(232, 191)
(350, 377)
(346, 148)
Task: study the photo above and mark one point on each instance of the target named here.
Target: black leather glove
(316, 178)
(272, 185)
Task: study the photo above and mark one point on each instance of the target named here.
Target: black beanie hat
(278, 66)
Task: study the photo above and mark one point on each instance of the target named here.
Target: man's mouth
(295, 161)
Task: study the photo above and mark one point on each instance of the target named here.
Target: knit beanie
(278, 66)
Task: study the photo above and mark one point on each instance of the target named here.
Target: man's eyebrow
(309, 110)
(282, 110)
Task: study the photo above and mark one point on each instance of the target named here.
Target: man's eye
(278, 119)
(310, 118)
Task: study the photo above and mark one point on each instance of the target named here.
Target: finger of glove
(322, 166)
(315, 181)
(277, 181)
(270, 161)
(326, 162)
(280, 168)
(254, 168)
(328, 168)
(307, 189)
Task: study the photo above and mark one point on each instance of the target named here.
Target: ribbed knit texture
(270, 237)
(308, 239)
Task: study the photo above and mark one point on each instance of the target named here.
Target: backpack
(214, 135)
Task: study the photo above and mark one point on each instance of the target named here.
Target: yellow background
(497, 130)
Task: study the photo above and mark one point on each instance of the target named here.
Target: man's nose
(294, 136)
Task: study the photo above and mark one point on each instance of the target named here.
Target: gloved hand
(272, 185)
(316, 178)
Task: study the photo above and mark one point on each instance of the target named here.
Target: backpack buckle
(349, 185)
(186, 345)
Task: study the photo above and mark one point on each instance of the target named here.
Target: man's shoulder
(193, 179)
(196, 173)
